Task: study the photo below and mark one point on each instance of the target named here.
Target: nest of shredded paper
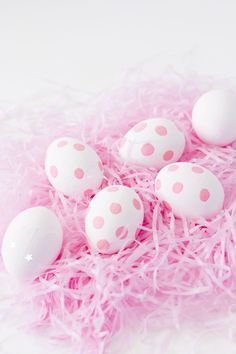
(175, 270)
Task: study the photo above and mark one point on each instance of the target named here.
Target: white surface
(85, 44)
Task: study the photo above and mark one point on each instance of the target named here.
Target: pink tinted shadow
(112, 189)
(166, 205)
(173, 168)
(158, 184)
(122, 142)
(122, 232)
(62, 143)
(139, 127)
(100, 165)
(136, 204)
(54, 171)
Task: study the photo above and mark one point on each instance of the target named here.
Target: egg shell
(113, 218)
(214, 117)
(31, 243)
(154, 142)
(190, 190)
(73, 167)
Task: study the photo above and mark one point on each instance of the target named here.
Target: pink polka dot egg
(73, 167)
(113, 218)
(189, 190)
(154, 142)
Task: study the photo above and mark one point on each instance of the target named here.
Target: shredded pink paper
(176, 270)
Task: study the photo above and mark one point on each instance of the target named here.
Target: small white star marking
(28, 257)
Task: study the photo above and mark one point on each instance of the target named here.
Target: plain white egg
(214, 117)
(154, 142)
(31, 243)
(73, 167)
(113, 219)
(189, 190)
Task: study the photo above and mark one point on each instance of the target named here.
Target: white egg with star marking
(189, 190)
(31, 243)
(113, 218)
(73, 167)
(154, 142)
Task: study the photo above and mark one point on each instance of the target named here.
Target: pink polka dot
(88, 193)
(160, 130)
(53, 171)
(103, 245)
(197, 169)
(62, 143)
(168, 155)
(79, 173)
(140, 127)
(204, 195)
(177, 187)
(122, 232)
(98, 222)
(100, 165)
(112, 189)
(115, 208)
(79, 147)
(136, 204)
(147, 149)
(166, 205)
(173, 168)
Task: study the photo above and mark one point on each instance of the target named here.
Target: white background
(87, 44)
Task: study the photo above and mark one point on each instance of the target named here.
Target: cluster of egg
(34, 237)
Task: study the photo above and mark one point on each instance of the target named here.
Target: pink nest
(176, 270)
